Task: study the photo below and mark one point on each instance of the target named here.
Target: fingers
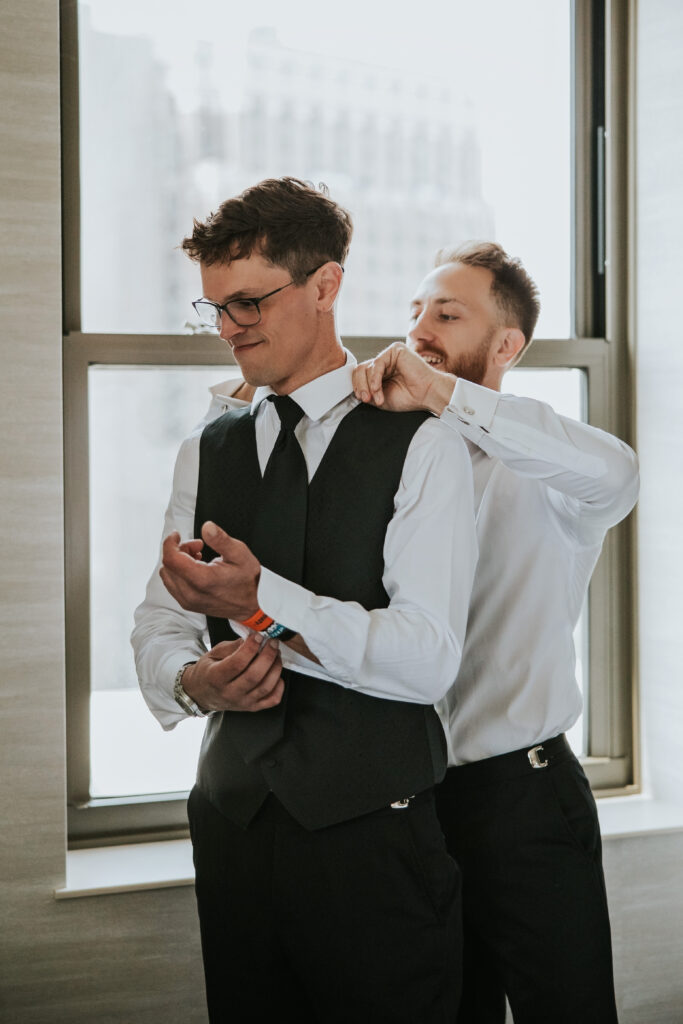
(361, 386)
(170, 546)
(227, 647)
(237, 675)
(180, 585)
(385, 365)
(367, 383)
(266, 695)
(193, 548)
(178, 557)
(368, 377)
(234, 658)
(258, 686)
(169, 581)
(228, 548)
(376, 373)
(275, 697)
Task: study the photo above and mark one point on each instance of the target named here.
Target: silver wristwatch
(189, 706)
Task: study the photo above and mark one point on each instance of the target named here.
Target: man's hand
(400, 381)
(236, 675)
(225, 588)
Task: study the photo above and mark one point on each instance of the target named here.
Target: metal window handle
(600, 202)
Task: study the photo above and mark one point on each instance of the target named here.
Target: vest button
(271, 762)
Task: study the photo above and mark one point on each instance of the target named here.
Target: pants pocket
(576, 805)
(439, 873)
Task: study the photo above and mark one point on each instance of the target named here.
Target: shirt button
(468, 410)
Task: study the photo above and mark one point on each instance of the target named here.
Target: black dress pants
(536, 926)
(359, 922)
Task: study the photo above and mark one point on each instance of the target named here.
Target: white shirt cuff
(473, 403)
(161, 701)
(316, 618)
(284, 601)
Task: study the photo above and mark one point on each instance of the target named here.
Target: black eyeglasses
(243, 312)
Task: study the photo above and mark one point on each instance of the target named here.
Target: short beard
(474, 365)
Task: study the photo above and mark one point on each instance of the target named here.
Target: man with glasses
(344, 539)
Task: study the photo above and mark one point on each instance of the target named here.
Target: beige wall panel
(113, 959)
(31, 615)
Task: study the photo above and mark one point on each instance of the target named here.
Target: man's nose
(229, 329)
(422, 328)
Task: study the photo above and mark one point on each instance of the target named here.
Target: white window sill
(111, 869)
(639, 815)
(108, 869)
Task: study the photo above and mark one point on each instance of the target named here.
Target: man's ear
(328, 282)
(508, 348)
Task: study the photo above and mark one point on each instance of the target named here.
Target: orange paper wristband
(258, 621)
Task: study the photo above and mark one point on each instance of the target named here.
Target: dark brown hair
(514, 291)
(285, 220)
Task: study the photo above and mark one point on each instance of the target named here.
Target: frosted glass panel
(433, 128)
(138, 418)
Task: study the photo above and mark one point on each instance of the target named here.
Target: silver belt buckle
(534, 759)
(400, 805)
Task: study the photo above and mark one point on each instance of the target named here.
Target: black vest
(342, 753)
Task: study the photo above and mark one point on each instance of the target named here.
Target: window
(164, 118)
(138, 416)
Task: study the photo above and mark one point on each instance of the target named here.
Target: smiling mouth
(245, 345)
(431, 359)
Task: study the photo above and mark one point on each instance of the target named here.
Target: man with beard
(515, 806)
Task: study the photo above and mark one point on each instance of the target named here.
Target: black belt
(527, 761)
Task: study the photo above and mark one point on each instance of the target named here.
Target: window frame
(603, 319)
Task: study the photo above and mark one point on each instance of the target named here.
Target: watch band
(189, 706)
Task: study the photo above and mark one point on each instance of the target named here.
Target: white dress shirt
(408, 651)
(547, 489)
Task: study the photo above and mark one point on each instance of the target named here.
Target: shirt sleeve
(410, 650)
(592, 476)
(166, 636)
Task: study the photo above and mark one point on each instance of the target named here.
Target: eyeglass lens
(243, 311)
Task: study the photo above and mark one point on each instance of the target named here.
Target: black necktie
(278, 541)
(279, 534)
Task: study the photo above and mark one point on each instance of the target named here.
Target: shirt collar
(320, 395)
(227, 388)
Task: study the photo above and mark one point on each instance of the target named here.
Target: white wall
(659, 371)
(645, 874)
